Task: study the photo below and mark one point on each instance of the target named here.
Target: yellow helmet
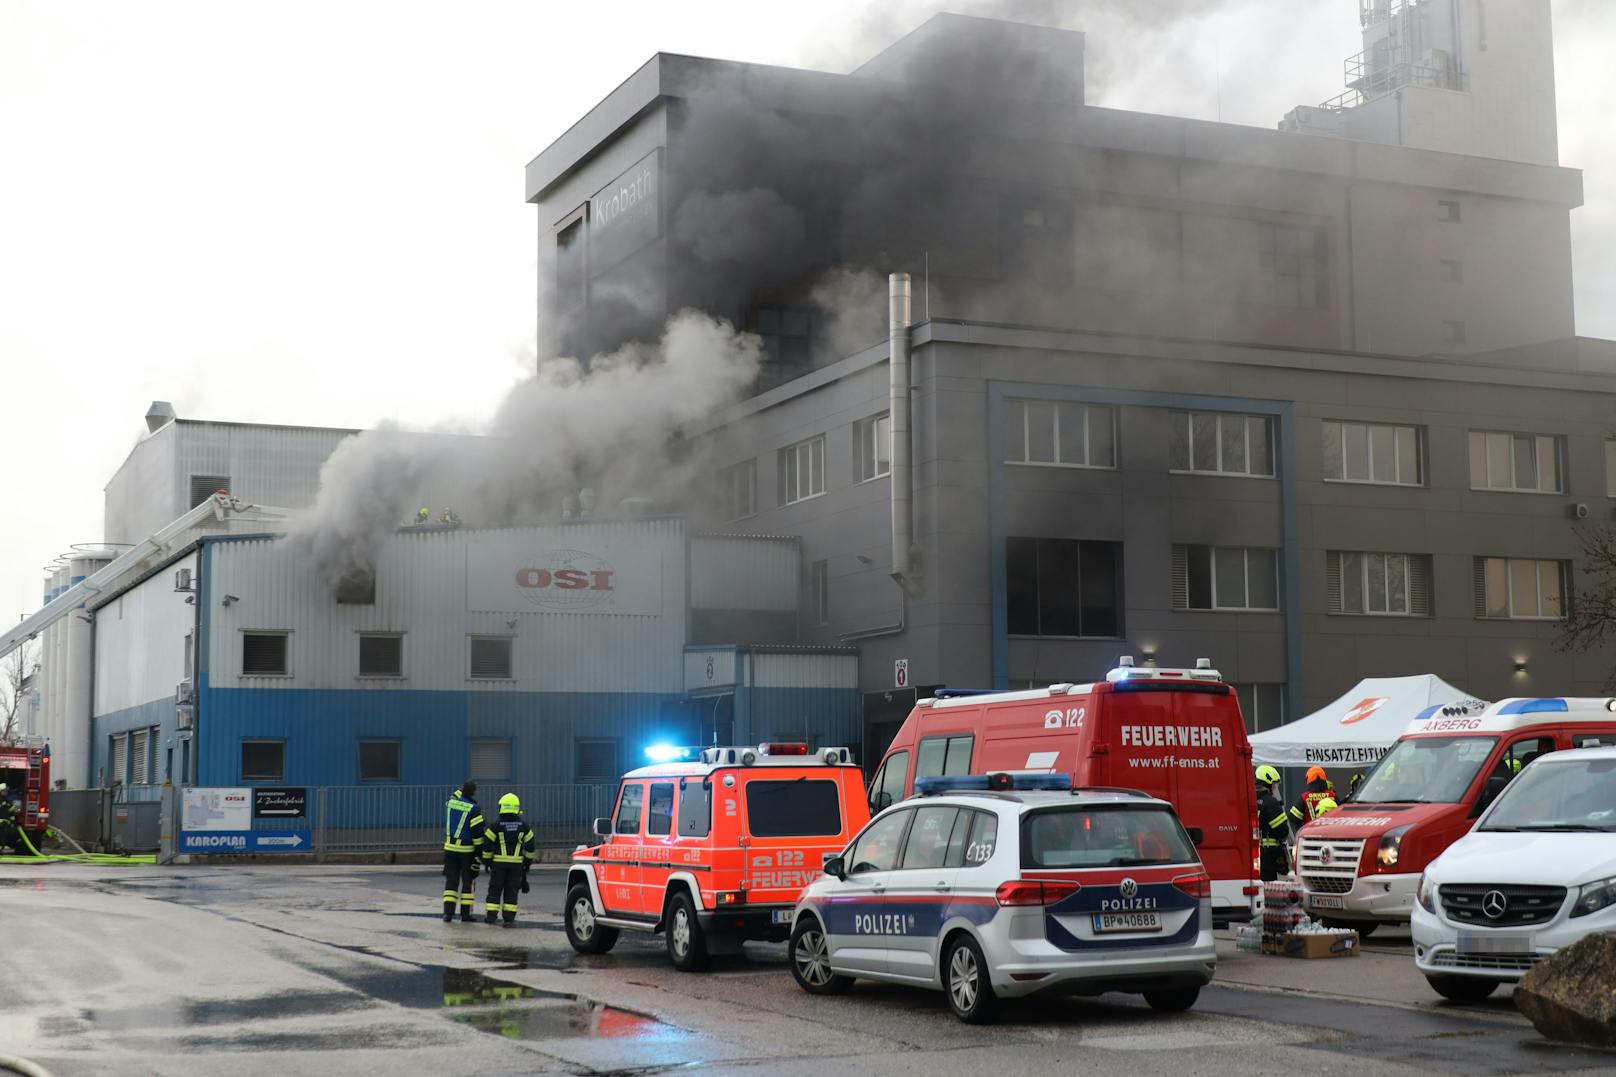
(510, 804)
(1327, 804)
(1267, 775)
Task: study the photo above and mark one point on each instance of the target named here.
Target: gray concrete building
(1311, 407)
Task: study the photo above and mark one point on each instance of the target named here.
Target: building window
(491, 657)
(190, 657)
(1262, 705)
(379, 760)
(1529, 462)
(739, 487)
(263, 760)
(819, 592)
(1447, 211)
(1453, 270)
(1372, 452)
(788, 337)
(1453, 332)
(1521, 590)
(1378, 584)
(595, 760)
(1290, 267)
(1610, 468)
(205, 486)
(1064, 587)
(263, 654)
(872, 448)
(139, 757)
(381, 654)
(1225, 578)
(357, 588)
(117, 759)
(1215, 443)
(490, 758)
(1060, 434)
(802, 470)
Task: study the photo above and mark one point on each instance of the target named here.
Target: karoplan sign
(512, 574)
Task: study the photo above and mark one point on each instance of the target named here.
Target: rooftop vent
(159, 415)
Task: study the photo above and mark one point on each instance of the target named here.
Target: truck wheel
(1173, 1000)
(965, 982)
(687, 946)
(810, 960)
(1462, 988)
(587, 935)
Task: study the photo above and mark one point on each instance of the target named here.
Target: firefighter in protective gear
(10, 827)
(1326, 806)
(1306, 808)
(1353, 783)
(463, 828)
(508, 849)
(423, 515)
(1273, 825)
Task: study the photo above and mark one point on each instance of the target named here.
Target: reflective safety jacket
(509, 841)
(1273, 822)
(462, 825)
(1306, 808)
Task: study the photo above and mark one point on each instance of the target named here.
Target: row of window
(786, 808)
(381, 654)
(1055, 434)
(1073, 587)
(380, 759)
(132, 758)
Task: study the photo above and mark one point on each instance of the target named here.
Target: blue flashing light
(666, 753)
(1427, 712)
(981, 783)
(1534, 706)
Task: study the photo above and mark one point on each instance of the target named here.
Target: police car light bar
(981, 783)
(1127, 671)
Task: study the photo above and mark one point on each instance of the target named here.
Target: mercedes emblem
(1129, 888)
(1494, 904)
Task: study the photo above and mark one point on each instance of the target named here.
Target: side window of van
(887, 789)
(661, 817)
(628, 809)
(1522, 752)
(695, 807)
(944, 755)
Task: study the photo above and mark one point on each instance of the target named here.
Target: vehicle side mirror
(603, 827)
(835, 865)
(1197, 835)
(1489, 793)
(881, 802)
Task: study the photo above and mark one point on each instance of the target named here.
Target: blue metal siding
(158, 712)
(829, 716)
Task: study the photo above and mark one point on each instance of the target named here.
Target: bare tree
(1591, 619)
(16, 683)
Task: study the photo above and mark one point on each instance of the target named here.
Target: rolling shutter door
(1419, 586)
(1479, 581)
(1181, 578)
(490, 759)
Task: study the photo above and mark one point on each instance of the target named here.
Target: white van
(1536, 874)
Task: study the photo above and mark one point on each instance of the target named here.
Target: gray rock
(1571, 996)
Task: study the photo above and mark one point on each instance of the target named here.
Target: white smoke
(606, 425)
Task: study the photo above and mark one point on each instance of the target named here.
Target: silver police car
(997, 886)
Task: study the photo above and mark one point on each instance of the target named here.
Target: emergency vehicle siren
(1001, 781)
(1127, 671)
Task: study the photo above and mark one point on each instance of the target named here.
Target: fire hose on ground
(13, 1064)
(81, 857)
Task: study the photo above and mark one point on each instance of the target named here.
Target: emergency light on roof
(976, 783)
(667, 753)
(783, 748)
(1127, 671)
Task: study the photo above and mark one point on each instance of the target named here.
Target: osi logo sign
(566, 580)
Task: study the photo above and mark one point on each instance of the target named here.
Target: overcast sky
(312, 212)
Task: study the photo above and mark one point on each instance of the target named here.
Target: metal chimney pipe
(902, 471)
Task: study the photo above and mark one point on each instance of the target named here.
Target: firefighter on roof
(508, 848)
(463, 829)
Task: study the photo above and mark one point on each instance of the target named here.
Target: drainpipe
(903, 494)
(901, 478)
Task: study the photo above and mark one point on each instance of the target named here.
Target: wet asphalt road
(247, 970)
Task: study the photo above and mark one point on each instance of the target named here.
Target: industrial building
(212, 651)
(1307, 404)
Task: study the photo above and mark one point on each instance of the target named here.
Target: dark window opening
(357, 588)
(491, 657)
(205, 486)
(596, 760)
(379, 760)
(1064, 587)
(381, 656)
(263, 760)
(569, 294)
(263, 654)
(798, 808)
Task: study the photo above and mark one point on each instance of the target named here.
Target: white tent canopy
(1357, 729)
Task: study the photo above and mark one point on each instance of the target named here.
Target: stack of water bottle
(1283, 913)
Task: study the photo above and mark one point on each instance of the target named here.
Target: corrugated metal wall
(803, 669)
(140, 496)
(744, 572)
(140, 642)
(422, 592)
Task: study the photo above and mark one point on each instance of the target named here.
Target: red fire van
(1176, 734)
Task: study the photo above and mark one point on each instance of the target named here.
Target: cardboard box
(1314, 946)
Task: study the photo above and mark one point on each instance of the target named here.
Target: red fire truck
(25, 771)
